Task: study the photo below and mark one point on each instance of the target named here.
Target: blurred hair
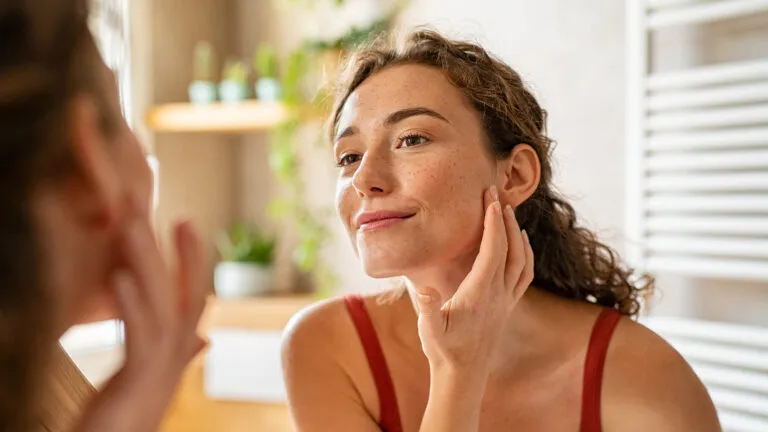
(47, 56)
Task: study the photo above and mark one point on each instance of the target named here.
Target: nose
(373, 176)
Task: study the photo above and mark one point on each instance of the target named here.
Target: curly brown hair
(570, 260)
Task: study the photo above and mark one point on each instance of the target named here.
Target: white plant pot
(232, 91)
(202, 92)
(234, 280)
(268, 89)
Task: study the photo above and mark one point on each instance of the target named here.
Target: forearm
(125, 406)
(455, 401)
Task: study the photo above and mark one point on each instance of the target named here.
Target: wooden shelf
(247, 116)
(259, 313)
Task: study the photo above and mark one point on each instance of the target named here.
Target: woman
(75, 235)
(432, 138)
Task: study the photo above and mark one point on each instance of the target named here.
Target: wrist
(455, 399)
(446, 378)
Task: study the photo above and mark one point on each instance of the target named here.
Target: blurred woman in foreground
(76, 238)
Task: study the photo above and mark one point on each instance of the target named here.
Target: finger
(430, 314)
(146, 264)
(527, 275)
(492, 246)
(130, 304)
(502, 251)
(515, 259)
(192, 288)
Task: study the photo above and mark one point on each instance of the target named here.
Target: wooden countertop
(193, 412)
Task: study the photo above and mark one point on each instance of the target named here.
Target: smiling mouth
(383, 222)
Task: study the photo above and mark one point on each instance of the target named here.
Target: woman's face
(80, 218)
(413, 165)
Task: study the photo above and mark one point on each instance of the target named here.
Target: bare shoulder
(325, 326)
(328, 381)
(648, 385)
(318, 333)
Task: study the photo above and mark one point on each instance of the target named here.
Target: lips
(379, 218)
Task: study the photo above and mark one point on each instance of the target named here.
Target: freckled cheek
(443, 188)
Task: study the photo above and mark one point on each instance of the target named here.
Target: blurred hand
(161, 313)
(462, 333)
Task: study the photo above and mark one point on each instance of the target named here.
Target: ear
(519, 175)
(98, 183)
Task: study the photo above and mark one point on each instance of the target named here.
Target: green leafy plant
(295, 70)
(243, 242)
(311, 231)
(353, 37)
(235, 70)
(203, 67)
(265, 61)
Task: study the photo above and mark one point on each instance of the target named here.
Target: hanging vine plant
(284, 158)
(284, 161)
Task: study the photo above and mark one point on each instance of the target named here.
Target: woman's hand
(464, 331)
(460, 336)
(161, 312)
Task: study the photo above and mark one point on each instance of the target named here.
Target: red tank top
(390, 414)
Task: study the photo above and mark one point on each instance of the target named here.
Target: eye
(347, 159)
(413, 140)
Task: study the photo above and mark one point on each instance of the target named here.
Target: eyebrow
(403, 114)
(397, 117)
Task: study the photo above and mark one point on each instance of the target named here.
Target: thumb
(430, 304)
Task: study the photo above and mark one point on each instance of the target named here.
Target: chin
(380, 266)
(399, 255)
(378, 272)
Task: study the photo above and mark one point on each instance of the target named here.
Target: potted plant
(202, 90)
(246, 266)
(234, 84)
(265, 64)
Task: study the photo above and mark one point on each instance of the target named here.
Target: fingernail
(510, 211)
(497, 208)
(494, 193)
(525, 236)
